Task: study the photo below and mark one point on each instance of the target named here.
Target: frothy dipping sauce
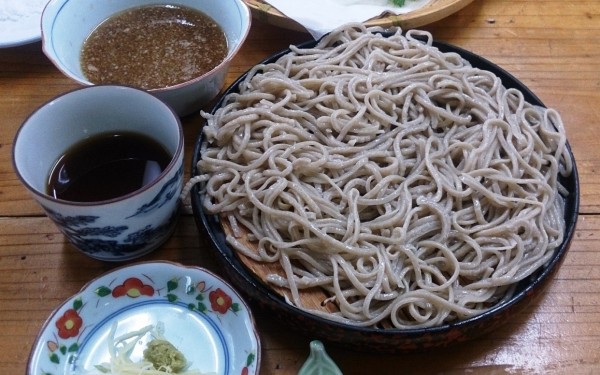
(152, 47)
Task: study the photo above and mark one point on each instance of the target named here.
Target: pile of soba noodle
(414, 189)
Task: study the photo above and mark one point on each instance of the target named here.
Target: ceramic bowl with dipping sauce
(179, 50)
(105, 163)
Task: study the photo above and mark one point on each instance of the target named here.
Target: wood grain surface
(551, 46)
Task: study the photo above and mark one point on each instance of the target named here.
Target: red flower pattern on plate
(63, 344)
(220, 301)
(133, 287)
(69, 324)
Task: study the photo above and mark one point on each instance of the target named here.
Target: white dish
(20, 22)
(203, 317)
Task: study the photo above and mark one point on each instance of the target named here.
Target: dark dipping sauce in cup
(153, 47)
(107, 166)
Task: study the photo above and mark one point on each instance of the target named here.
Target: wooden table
(552, 46)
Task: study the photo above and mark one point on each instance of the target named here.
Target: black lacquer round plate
(375, 339)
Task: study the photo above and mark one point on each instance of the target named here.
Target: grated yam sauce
(153, 46)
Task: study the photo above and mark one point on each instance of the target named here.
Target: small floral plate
(202, 316)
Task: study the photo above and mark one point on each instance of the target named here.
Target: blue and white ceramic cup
(118, 229)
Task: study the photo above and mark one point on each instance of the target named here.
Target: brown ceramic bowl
(387, 340)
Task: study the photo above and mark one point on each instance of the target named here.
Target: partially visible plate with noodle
(432, 11)
(385, 191)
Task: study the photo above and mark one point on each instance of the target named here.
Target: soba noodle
(412, 187)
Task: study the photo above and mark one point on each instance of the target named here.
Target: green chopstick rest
(319, 362)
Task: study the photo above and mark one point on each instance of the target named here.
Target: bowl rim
(173, 163)
(210, 225)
